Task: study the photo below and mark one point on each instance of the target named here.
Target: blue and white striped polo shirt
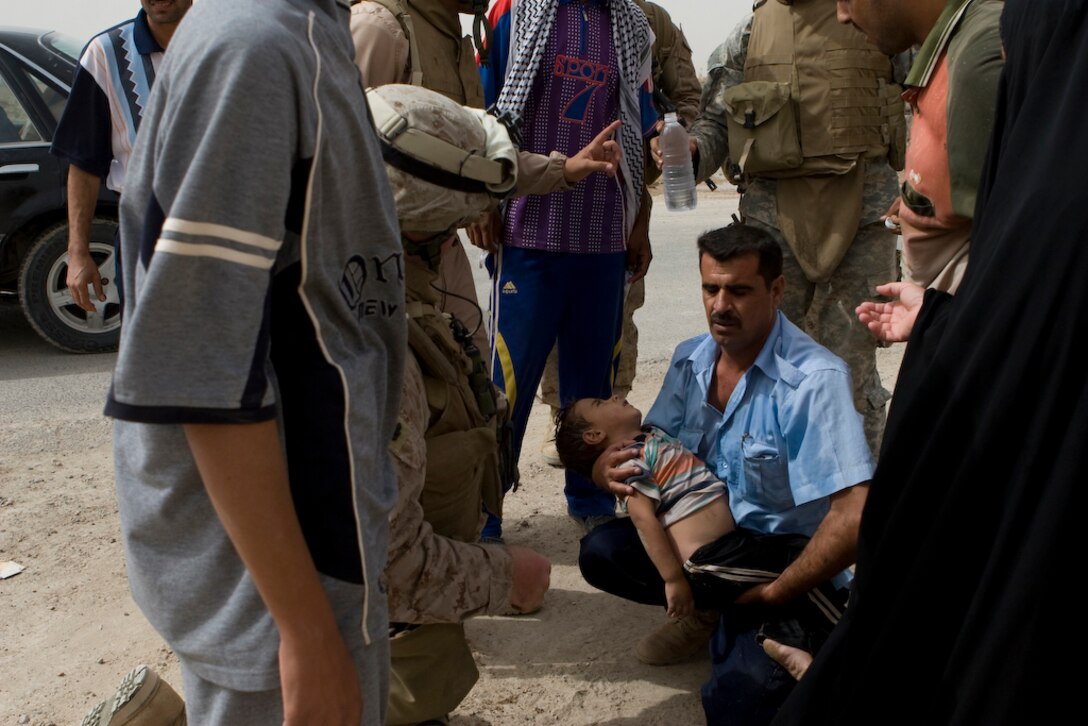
(98, 127)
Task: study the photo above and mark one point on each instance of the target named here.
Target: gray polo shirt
(260, 244)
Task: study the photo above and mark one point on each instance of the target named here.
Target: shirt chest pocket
(766, 478)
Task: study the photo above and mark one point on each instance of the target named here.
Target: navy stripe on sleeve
(84, 133)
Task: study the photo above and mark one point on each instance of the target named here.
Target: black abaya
(968, 562)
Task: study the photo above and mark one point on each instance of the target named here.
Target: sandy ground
(69, 629)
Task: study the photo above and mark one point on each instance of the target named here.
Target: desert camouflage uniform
(436, 576)
(445, 448)
(823, 310)
(673, 74)
(448, 62)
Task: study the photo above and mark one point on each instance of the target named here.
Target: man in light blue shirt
(781, 444)
(771, 412)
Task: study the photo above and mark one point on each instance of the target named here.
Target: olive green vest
(842, 89)
(440, 58)
(464, 431)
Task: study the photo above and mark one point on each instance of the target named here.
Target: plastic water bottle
(676, 169)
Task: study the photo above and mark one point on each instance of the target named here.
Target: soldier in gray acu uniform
(806, 212)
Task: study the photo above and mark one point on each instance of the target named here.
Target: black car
(36, 72)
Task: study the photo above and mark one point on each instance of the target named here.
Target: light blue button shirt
(789, 437)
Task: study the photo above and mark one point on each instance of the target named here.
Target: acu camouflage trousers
(826, 312)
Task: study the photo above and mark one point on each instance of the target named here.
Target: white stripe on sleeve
(222, 253)
(221, 231)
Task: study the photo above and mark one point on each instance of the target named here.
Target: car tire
(47, 303)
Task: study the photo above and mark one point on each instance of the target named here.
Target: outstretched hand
(601, 154)
(892, 321)
(531, 578)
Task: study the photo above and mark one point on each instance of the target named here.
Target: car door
(31, 179)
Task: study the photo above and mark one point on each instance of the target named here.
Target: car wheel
(48, 304)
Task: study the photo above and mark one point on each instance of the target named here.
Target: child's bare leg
(794, 660)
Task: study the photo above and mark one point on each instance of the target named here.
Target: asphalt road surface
(673, 310)
(40, 382)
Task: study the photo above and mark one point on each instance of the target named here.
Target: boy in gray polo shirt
(256, 387)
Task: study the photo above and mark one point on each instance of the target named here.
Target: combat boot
(142, 699)
(547, 446)
(678, 640)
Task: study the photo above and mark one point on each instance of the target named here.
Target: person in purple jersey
(558, 277)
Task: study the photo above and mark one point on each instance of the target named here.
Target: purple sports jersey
(573, 99)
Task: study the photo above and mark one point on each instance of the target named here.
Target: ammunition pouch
(764, 137)
(466, 426)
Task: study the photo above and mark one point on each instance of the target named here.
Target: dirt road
(69, 629)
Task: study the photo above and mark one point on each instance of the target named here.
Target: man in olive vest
(813, 142)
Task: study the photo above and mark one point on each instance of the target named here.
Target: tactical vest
(468, 439)
(816, 97)
(441, 60)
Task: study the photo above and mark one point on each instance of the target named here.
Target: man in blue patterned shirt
(98, 128)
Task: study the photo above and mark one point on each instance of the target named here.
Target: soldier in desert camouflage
(446, 165)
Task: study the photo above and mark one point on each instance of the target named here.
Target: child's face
(611, 416)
